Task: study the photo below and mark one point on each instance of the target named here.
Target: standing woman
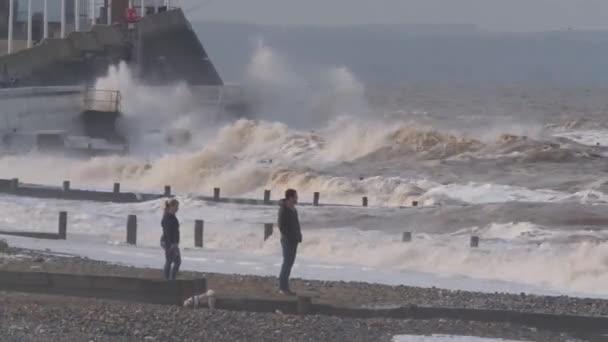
(170, 239)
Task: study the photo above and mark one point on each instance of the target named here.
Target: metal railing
(102, 100)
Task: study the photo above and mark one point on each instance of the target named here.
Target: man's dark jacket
(289, 224)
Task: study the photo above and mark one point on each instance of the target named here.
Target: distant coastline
(417, 52)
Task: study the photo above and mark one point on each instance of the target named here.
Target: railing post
(266, 196)
(63, 225)
(268, 228)
(199, 226)
(132, 229)
(14, 186)
(474, 241)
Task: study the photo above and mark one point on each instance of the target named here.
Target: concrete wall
(170, 51)
(17, 45)
(85, 42)
(107, 35)
(33, 235)
(78, 59)
(33, 108)
(103, 287)
(167, 48)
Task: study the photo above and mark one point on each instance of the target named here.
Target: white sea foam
(573, 267)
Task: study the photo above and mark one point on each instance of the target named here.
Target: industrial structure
(70, 44)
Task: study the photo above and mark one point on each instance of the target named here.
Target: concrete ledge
(103, 287)
(560, 323)
(30, 92)
(286, 306)
(33, 235)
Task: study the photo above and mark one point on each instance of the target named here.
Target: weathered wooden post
(199, 226)
(268, 230)
(132, 230)
(216, 194)
(407, 237)
(63, 225)
(364, 201)
(167, 190)
(266, 196)
(116, 189)
(474, 241)
(315, 200)
(66, 186)
(14, 186)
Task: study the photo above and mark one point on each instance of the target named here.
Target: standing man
(170, 239)
(291, 236)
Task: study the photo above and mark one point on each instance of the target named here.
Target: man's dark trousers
(289, 257)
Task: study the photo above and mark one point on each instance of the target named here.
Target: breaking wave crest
(274, 151)
(248, 155)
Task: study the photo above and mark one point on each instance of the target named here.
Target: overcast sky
(512, 15)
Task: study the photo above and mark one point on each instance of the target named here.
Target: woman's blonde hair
(170, 203)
